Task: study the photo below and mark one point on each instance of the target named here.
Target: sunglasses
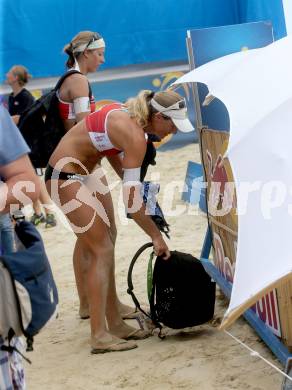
(94, 37)
(176, 106)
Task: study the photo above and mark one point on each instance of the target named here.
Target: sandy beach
(201, 358)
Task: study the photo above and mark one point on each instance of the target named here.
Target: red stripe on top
(95, 122)
(110, 152)
(66, 109)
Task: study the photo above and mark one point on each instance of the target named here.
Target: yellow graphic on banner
(104, 102)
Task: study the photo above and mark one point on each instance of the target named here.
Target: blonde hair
(140, 107)
(83, 37)
(22, 74)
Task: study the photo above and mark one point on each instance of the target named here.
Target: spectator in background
(19, 100)
(15, 167)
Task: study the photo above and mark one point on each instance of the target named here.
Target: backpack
(28, 293)
(180, 292)
(41, 125)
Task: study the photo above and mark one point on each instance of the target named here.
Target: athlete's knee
(100, 249)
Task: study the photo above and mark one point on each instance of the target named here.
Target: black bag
(180, 292)
(42, 127)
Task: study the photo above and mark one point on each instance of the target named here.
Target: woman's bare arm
(76, 86)
(21, 185)
(116, 163)
(133, 158)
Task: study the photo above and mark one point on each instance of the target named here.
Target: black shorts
(52, 173)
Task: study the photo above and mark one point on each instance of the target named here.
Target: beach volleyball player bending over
(80, 189)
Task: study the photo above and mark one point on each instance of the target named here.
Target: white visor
(97, 44)
(178, 114)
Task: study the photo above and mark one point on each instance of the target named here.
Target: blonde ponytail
(139, 107)
(71, 60)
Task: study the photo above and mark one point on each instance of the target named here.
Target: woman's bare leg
(113, 299)
(43, 203)
(97, 277)
(45, 198)
(115, 309)
(79, 259)
(106, 201)
(99, 261)
(37, 207)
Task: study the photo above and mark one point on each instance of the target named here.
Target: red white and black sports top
(66, 109)
(96, 124)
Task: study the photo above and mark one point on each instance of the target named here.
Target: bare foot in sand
(110, 343)
(127, 332)
(128, 312)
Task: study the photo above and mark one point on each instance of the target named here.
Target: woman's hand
(160, 247)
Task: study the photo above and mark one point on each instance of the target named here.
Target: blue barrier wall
(33, 32)
(136, 31)
(261, 10)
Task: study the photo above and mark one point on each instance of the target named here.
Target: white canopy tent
(287, 7)
(256, 88)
